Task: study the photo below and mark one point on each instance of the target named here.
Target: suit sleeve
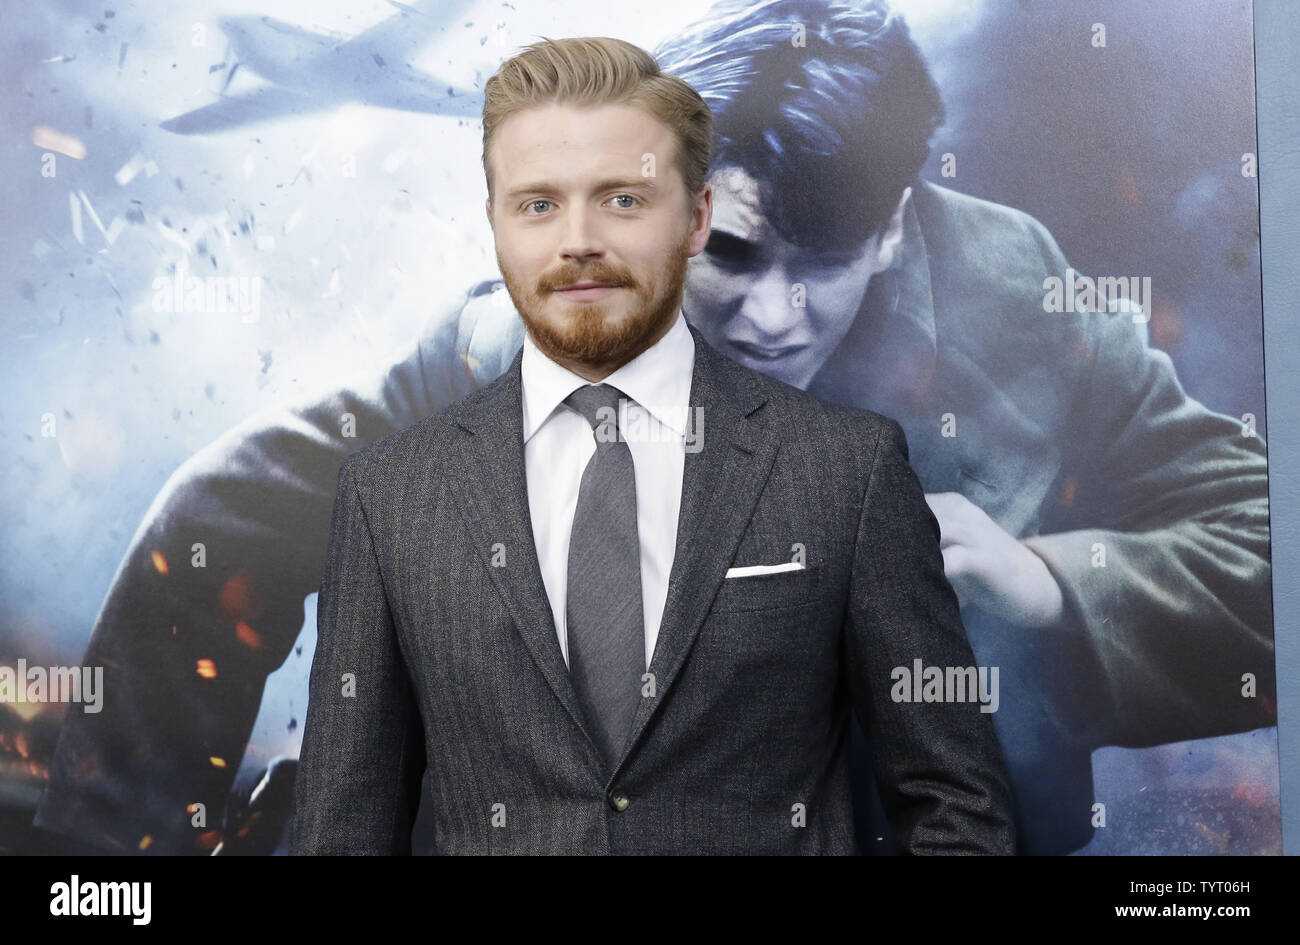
(362, 758)
(941, 772)
(257, 501)
(1162, 554)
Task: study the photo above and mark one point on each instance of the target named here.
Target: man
(688, 688)
(1071, 433)
(1107, 534)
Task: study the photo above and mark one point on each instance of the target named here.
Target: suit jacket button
(619, 802)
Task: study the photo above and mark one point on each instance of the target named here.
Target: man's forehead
(736, 207)
(564, 144)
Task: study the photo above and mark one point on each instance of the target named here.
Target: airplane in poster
(305, 70)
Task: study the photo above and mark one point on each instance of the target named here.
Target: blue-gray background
(354, 265)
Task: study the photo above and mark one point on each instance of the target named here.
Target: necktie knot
(599, 406)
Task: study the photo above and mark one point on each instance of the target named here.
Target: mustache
(564, 278)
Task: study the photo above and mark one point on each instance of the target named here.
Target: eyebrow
(611, 183)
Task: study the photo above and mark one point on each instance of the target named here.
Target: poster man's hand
(991, 568)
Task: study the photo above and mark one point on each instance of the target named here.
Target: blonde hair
(600, 70)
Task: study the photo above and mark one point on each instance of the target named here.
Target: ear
(892, 238)
(487, 205)
(701, 220)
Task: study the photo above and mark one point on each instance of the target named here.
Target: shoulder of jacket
(806, 415)
(940, 207)
(489, 331)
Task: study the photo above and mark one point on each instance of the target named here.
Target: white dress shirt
(558, 443)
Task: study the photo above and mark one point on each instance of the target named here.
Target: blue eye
(533, 203)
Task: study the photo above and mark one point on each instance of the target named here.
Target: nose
(768, 316)
(580, 242)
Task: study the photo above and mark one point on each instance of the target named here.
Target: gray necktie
(606, 628)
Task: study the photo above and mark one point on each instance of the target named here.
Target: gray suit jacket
(437, 648)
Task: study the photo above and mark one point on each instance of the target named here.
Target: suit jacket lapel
(720, 487)
(492, 488)
(721, 484)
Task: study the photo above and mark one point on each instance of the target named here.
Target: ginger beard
(585, 331)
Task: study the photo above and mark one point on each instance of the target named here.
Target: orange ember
(248, 636)
(1251, 792)
(1126, 189)
(238, 600)
(1166, 325)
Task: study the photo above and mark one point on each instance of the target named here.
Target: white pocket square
(753, 569)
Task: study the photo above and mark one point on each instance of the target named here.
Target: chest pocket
(769, 591)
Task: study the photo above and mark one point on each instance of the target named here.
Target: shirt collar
(658, 379)
(906, 286)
